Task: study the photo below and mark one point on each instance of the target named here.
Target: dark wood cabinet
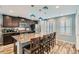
(8, 39)
(9, 21)
(15, 22)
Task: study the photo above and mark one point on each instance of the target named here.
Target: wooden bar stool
(46, 44)
(54, 38)
(33, 47)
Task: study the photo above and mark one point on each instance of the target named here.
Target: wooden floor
(60, 48)
(8, 49)
(63, 48)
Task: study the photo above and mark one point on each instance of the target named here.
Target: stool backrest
(34, 42)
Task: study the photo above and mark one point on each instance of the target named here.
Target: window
(66, 25)
(47, 26)
(51, 26)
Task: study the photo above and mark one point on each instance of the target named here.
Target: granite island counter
(24, 39)
(14, 38)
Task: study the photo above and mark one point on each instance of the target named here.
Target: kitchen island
(8, 39)
(13, 38)
(24, 39)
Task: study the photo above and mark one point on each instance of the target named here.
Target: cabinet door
(15, 22)
(7, 21)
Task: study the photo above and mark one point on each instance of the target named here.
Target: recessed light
(11, 11)
(57, 6)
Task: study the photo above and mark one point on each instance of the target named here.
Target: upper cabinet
(9, 21)
(15, 22)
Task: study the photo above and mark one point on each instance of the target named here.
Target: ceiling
(38, 11)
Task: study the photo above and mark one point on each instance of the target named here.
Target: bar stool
(46, 43)
(54, 38)
(41, 46)
(33, 47)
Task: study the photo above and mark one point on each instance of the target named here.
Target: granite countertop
(26, 37)
(17, 32)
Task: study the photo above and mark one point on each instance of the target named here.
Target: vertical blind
(47, 27)
(66, 25)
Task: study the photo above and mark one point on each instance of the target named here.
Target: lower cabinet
(7, 39)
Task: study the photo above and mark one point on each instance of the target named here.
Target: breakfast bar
(24, 39)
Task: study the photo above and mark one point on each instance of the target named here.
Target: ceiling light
(32, 5)
(57, 6)
(11, 11)
(40, 10)
(32, 15)
(41, 18)
(45, 7)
